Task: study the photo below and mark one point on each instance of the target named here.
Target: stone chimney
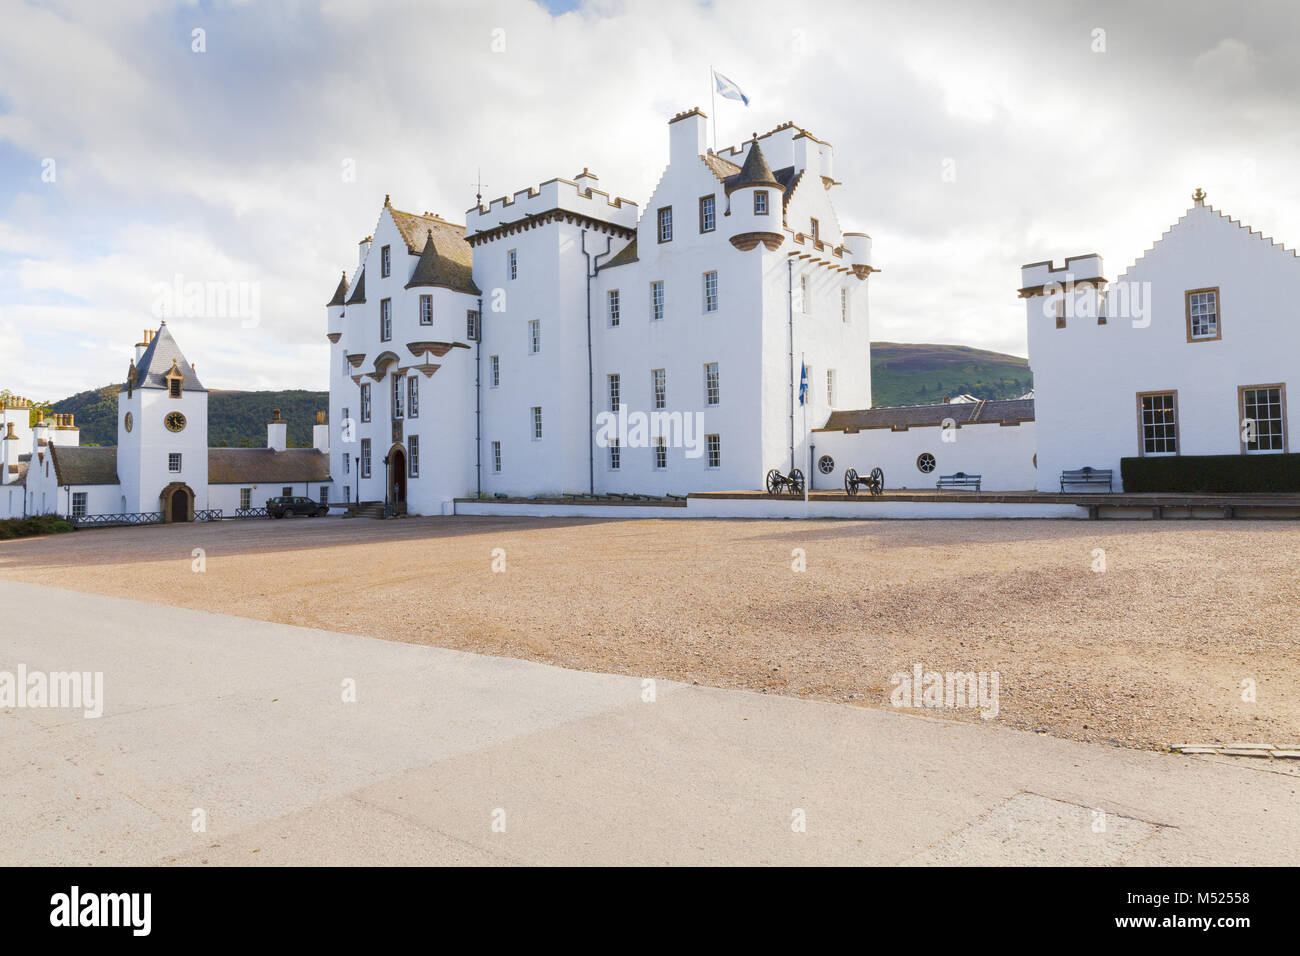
(145, 338)
(320, 434)
(277, 432)
(687, 138)
(362, 248)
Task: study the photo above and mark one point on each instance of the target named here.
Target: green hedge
(1214, 474)
(30, 527)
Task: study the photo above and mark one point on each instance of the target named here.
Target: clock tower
(162, 432)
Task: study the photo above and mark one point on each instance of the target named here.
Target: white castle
(565, 342)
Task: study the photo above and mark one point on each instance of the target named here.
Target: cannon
(777, 482)
(874, 483)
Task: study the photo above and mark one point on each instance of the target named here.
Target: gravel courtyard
(1153, 650)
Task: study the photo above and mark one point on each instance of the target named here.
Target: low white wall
(779, 508)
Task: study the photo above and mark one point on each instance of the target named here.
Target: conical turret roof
(756, 171)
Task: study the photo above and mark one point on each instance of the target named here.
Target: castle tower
(162, 432)
(755, 203)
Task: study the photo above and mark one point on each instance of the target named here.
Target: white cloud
(225, 165)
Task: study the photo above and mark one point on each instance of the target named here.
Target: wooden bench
(1087, 475)
(959, 480)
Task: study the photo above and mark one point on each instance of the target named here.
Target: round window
(925, 463)
(825, 464)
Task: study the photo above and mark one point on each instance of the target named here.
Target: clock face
(130, 421)
(174, 421)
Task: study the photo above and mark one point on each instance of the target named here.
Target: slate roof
(341, 293)
(908, 416)
(623, 256)
(755, 172)
(436, 269)
(156, 362)
(233, 466)
(359, 293)
(84, 465)
(446, 259)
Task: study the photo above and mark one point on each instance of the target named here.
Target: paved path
(245, 720)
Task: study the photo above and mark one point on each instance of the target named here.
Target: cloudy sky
(970, 138)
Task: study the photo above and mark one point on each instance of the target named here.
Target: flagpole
(713, 105)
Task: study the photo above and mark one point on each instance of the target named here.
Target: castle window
(1060, 313)
(1203, 315)
(347, 464)
(397, 396)
(615, 391)
(661, 454)
(426, 310)
(844, 305)
(78, 504)
(246, 496)
(496, 457)
(656, 301)
(471, 325)
(830, 387)
(1263, 418)
(1158, 421)
(534, 336)
(512, 264)
(286, 491)
(537, 422)
(760, 202)
(413, 455)
(712, 384)
(613, 308)
(615, 455)
(174, 462)
(710, 292)
(666, 224)
(365, 401)
(365, 458)
(385, 261)
(815, 228)
(714, 445)
(708, 216)
(413, 396)
(494, 370)
(659, 387)
(324, 494)
(804, 305)
(385, 320)
(174, 387)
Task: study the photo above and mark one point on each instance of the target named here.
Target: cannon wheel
(773, 481)
(796, 482)
(851, 482)
(877, 481)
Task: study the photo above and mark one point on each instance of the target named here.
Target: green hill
(235, 419)
(924, 374)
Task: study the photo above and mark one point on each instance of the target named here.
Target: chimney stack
(320, 434)
(277, 432)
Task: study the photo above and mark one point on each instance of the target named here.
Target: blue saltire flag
(728, 89)
(803, 382)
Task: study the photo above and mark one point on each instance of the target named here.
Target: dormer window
(760, 202)
(175, 380)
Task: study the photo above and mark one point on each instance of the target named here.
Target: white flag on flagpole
(728, 89)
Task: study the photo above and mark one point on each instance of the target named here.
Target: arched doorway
(177, 502)
(396, 493)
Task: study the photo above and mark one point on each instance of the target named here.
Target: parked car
(280, 507)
